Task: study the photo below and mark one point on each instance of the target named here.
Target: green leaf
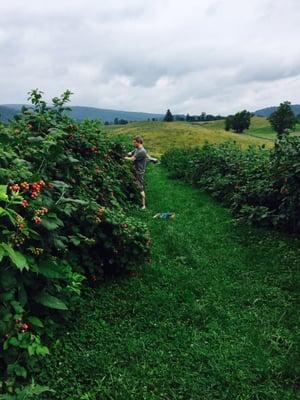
(51, 222)
(23, 298)
(50, 301)
(51, 269)
(42, 351)
(73, 160)
(59, 244)
(2, 253)
(75, 240)
(17, 258)
(7, 277)
(20, 371)
(35, 321)
(3, 195)
(31, 350)
(17, 307)
(14, 341)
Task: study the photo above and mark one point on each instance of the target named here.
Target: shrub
(259, 185)
(64, 195)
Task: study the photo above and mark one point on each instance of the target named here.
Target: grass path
(212, 317)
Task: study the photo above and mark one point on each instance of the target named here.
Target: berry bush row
(260, 186)
(65, 193)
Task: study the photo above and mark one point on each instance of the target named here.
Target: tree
(228, 122)
(283, 119)
(116, 121)
(168, 117)
(238, 122)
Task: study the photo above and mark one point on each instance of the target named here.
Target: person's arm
(132, 158)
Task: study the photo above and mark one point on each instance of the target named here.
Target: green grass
(214, 316)
(259, 128)
(162, 136)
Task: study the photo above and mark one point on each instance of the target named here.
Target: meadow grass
(162, 136)
(212, 317)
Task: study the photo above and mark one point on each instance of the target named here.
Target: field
(125, 306)
(160, 137)
(213, 316)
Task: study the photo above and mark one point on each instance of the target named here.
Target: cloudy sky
(217, 56)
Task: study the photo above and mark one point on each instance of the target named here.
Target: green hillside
(162, 136)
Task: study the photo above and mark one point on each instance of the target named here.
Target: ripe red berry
(25, 203)
(37, 220)
(24, 328)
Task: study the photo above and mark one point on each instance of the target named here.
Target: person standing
(139, 158)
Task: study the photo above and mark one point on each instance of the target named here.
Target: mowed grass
(214, 315)
(162, 136)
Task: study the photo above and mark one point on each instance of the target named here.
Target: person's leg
(143, 195)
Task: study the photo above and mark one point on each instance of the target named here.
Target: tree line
(282, 121)
(203, 117)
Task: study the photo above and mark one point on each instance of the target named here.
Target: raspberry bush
(65, 193)
(261, 186)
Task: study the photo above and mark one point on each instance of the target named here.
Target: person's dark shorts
(139, 179)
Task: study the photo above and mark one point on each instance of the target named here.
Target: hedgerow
(260, 186)
(65, 192)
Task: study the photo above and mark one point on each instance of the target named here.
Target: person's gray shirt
(140, 159)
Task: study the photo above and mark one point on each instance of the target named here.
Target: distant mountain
(80, 113)
(6, 113)
(266, 112)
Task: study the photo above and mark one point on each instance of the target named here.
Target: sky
(192, 56)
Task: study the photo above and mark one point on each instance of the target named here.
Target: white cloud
(216, 56)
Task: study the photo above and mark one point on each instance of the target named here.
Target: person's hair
(138, 139)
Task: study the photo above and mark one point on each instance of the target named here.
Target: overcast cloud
(217, 56)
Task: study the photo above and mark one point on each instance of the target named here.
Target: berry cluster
(37, 220)
(41, 211)
(99, 215)
(100, 212)
(35, 189)
(284, 190)
(22, 327)
(38, 214)
(24, 185)
(24, 203)
(20, 222)
(93, 149)
(14, 188)
(38, 251)
(18, 240)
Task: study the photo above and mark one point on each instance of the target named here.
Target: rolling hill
(266, 112)
(162, 136)
(80, 113)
